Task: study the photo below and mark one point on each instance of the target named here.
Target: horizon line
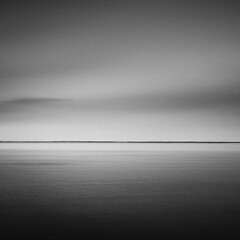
(119, 141)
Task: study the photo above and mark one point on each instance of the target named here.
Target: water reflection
(61, 194)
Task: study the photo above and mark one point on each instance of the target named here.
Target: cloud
(224, 100)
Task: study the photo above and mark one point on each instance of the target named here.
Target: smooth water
(71, 194)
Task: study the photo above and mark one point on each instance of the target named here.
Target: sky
(120, 70)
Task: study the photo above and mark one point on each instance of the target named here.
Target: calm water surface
(71, 194)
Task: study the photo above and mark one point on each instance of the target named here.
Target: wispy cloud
(225, 100)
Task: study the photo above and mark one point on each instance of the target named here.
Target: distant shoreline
(130, 142)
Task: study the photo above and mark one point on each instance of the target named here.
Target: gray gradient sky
(120, 70)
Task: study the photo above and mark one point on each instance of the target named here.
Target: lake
(142, 192)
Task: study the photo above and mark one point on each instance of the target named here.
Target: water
(49, 193)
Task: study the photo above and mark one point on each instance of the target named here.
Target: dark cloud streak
(223, 100)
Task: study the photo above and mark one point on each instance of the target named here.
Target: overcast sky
(120, 70)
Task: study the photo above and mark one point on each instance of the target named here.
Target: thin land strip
(145, 142)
